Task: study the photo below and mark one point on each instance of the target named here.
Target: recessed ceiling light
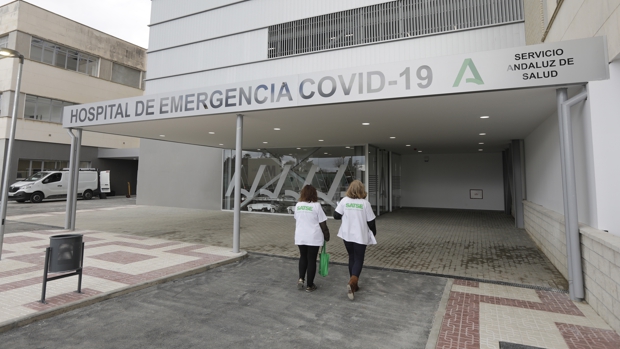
(162, 135)
(290, 154)
(320, 140)
(419, 151)
(481, 143)
(479, 149)
(408, 145)
(265, 142)
(484, 117)
(365, 123)
(392, 137)
(211, 133)
(298, 148)
(348, 147)
(483, 134)
(276, 129)
(221, 144)
(325, 153)
(258, 149)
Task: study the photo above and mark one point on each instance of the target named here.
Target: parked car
(263, 206)
(53, 185)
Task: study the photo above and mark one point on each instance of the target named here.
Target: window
(44, 109)
(27, 167)
(4, 41)
(56, 177)
(126, 76)
(387, 21)
(62, 57)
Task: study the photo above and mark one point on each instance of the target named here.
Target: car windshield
(35, 177)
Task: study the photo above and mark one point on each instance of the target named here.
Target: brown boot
(352, 287)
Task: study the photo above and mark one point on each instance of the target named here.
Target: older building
(66, 63)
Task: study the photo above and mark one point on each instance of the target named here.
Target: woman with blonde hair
(358, 230)
(310, 233)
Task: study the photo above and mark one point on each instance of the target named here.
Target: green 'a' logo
(468, 63)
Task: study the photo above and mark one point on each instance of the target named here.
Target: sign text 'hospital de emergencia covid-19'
(563, 63)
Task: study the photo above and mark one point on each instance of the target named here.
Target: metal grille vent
(395, 182)
(388, 21)
(372, 183)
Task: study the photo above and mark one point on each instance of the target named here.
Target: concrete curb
(425, 273)
(433, 336)
(42, 315)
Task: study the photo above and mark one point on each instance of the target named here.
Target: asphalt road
(251, 304)
(48, 206)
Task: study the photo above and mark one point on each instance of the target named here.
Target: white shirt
(308, 215)
(355, 213)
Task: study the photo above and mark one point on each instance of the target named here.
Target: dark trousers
(307, 262)
(356, 257)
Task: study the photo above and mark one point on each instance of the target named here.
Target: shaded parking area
(460, 243)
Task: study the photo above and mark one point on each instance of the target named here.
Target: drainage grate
(506, 345)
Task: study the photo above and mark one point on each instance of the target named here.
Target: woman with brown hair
(310, 233)
(358, 221)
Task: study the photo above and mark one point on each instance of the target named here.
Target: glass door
(372, 186)
(383, 177)
(395, 162)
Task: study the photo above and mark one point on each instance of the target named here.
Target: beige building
(65, 63)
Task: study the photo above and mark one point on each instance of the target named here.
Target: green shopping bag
(324, 261)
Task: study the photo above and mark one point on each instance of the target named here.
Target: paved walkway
(113, 264)
(468, 314)
(463, 243)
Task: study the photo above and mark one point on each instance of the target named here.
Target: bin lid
(66, 236)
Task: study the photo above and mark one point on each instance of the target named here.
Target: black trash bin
(65, 254)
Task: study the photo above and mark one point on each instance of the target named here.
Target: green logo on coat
(304, 208)
(355, 206)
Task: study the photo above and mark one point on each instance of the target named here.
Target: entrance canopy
(434, 104)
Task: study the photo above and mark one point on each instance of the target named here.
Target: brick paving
(112, 262)
(481, 315)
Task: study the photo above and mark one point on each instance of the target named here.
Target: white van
(53, 185)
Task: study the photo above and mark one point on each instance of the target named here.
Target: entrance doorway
(383, 165)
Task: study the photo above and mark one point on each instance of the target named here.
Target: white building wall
(231, 50)
(578, 19)
(190, 176)
(244, 16)
(484, 39)
(543, 165)
(605, 109)
(445, 180)
(165, 10)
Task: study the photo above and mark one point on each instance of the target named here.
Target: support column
(561, 97)
(9, 156)
(74, 174)
(70, 189)
(517, 177)
(237, 216)
(569, 188)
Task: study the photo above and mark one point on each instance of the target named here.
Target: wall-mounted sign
(475, 193)
(562, 63)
